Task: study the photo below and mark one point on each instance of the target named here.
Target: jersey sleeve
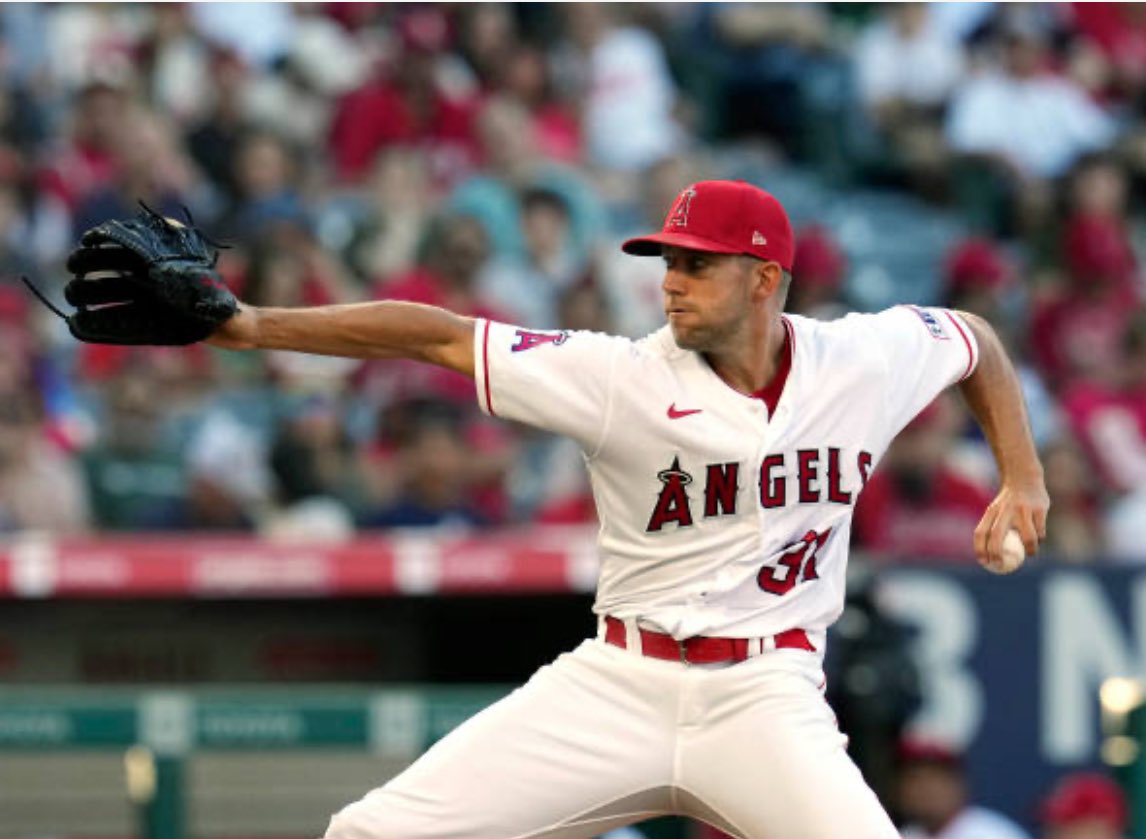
(558, 381)
(925, 351)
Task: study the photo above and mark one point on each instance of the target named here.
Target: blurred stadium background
(238, 591)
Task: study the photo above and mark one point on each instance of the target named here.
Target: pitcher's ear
(772, 277)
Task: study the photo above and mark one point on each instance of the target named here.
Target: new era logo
(758, 238)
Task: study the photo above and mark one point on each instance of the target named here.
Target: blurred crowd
(489, 158)
(935, 801)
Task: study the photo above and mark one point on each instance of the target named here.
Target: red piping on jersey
(485, 369)
(963, 335)
(770, 393)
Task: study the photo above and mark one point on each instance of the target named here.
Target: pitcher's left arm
(995, 397)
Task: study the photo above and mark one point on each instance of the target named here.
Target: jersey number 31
(797, 564)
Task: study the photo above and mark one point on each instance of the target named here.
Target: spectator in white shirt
(1017, 129)
(1036, 123)
(906, 69)
(933, 797)
(904, 61)
(627, 90)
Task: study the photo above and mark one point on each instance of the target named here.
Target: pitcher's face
(707, 296)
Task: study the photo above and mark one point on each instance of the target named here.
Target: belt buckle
(682, 645)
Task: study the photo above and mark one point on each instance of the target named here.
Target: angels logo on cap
(732, 217)
(678, 216)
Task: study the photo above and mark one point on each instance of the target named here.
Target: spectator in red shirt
(1098, 229)
(1077, 332)
(288, 266)
(1118, 30)
(916, 506)
(86, 162)
(1109, 417)
(405, 105)
(455, 251)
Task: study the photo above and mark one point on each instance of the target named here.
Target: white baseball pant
(604, 737)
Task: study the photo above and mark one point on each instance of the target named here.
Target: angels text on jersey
(816, 475)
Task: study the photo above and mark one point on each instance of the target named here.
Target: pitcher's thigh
(781, 771)
(555, 753)
(825, 797)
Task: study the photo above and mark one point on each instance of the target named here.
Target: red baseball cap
(723, 217)
(923, 750)
(977, 263)
(1086, 796)
(819, 260)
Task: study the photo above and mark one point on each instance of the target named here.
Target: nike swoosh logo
(673, 413)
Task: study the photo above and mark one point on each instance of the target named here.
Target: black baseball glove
(145, 280)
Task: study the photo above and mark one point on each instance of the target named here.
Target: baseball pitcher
(726, 453)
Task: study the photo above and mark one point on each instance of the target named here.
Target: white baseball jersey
(725, 514)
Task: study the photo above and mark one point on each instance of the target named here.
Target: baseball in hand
(1014, 554)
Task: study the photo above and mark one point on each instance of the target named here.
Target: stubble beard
(708, 339)
(696, 340)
